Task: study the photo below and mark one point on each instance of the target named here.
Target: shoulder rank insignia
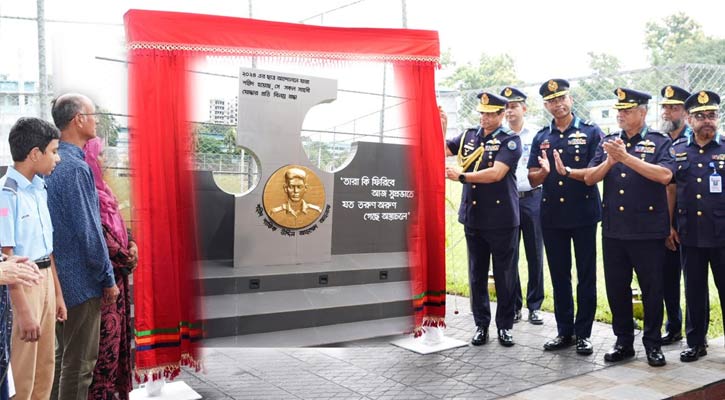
(10, 185)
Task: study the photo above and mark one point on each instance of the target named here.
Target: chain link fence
(593, 95)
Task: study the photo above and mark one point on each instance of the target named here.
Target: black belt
(42, 263)
(529, 193)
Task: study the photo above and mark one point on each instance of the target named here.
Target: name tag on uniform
(715, 183)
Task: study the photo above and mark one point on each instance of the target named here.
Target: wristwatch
(462, 178)
(568, 171)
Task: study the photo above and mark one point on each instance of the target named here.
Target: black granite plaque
(372, 201)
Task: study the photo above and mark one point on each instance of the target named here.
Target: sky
(545, 38)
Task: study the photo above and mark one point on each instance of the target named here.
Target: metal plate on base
(422, 346)
(171, 391)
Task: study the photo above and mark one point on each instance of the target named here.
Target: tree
(107, 127)
(491, 71)
(674, 37)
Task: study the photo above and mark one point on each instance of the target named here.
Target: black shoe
(584, 346)
(480, 337)
(693, 353)
(535, 317)
(517, 316)
(619, 353)
(505, 337)
(670, 338)
(655, 358)
(559, 342)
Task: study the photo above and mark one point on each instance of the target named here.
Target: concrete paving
(375, 369)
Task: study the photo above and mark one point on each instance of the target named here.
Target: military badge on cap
(620, 94)
(703, 100)
(554, 88)
(669, 92)
(674, 95)
(491, 102)
(512, 94)
(630, 98)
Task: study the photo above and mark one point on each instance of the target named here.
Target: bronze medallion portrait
(294, 197)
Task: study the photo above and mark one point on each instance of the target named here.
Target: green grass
(457, 270)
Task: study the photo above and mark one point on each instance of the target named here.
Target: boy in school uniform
(26, 229)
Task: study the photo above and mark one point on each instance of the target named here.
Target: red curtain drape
(161, 46)
(165, 306)
(426, 238)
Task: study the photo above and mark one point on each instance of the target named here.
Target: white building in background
(18, 98)
(223, 111)
(602, 113)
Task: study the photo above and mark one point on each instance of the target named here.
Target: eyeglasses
(710, 116)
(95, 115)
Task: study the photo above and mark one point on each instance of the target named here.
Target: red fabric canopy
(161, 47)
(209, 34)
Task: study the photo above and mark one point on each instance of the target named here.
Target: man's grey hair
(65, 107)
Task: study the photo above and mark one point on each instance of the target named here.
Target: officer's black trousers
(696, 260)
(646, 257)
(558, 254)
(534, 247)
(671, 272)
(482, 244)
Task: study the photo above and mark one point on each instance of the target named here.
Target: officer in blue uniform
(529, 211)
(674, 123)
(636, 165)
(489, 211)
(570, 211)
(700, 214)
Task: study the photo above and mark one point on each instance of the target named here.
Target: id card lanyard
(715, 180)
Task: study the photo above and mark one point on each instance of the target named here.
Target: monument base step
(249, 313)
(317, 336)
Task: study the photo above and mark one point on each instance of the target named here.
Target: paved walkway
(375, 369)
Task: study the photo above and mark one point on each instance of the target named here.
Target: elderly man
(636, 166)
(570, 211)
(489, 212)
(699, 214)
(84, 270)
(529, 206)
(674, 117)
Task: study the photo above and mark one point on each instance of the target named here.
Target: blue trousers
(695, 261)
(671, 272)
(645, 257)
(4, 390)
(558, 253)
(530, 227)
(483, 244)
